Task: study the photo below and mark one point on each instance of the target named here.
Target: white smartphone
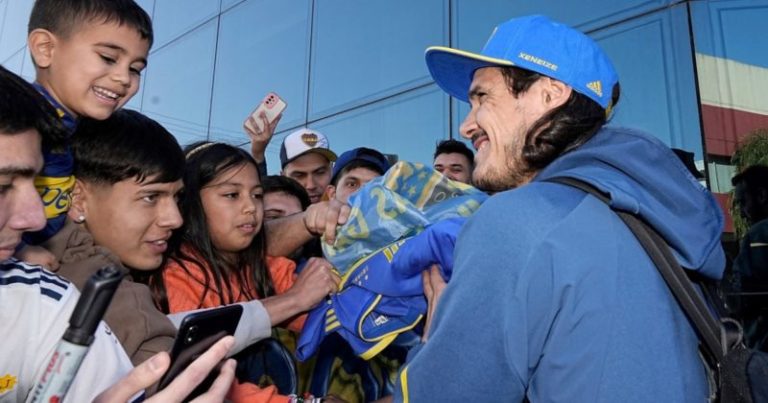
(272, 105)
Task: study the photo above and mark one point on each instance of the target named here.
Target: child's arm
(38, 255)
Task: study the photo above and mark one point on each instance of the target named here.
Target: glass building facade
(693, 73)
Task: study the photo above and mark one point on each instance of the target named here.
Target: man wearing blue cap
(552, 298)
(353, 169)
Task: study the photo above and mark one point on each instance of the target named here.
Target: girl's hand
(316, 280)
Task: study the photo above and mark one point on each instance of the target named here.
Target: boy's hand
(260, 138)
(38, 255)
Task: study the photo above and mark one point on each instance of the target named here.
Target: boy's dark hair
(23, 108)
(280, 183)
(354, 165)
(562, 129)
(753, 177)
(126, 145)
(63, 17)
(452, 146)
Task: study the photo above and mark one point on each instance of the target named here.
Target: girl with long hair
(218, 256)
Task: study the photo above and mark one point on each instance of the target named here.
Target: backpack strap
(707, 327)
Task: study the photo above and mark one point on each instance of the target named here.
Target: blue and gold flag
(382, 250)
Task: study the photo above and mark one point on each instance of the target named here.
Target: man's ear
(554, 93)
(41, 44)
(79, 200)
(330, 192)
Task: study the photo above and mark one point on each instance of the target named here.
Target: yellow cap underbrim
(453, 69)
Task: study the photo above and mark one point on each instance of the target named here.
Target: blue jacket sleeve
(480, 323)
(432, 246)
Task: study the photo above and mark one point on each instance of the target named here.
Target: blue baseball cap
(369, 155)
(534, 43)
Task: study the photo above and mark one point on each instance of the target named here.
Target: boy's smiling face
(93, 71)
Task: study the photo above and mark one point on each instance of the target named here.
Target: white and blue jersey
(36, 306)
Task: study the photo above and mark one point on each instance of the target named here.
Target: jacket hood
(644, 177)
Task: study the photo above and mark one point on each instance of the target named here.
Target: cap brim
(322, 151)
(453, 69)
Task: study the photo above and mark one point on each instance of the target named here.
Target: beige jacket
(141, 328)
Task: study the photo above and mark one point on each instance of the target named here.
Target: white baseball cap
(304, 141)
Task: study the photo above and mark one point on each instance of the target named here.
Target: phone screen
(197, 333)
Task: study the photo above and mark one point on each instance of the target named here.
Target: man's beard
(498, 179)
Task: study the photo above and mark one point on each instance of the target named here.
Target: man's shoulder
(536, 202)
(20, 276)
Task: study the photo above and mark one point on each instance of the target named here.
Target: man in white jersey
(36, 305)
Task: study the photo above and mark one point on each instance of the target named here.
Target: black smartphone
(197, 333)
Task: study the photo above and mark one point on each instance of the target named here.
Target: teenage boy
(283, 196)
(88, 58)
(454, 160)
(353, 169)
(37, 304)
(305, 157)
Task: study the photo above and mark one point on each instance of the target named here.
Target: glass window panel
(14, 16)
(408, 125)
(652, 55)
(175, 17)
(475, 23)
(365, 50)
(225, 4)
(732, 67)
(730, 29)
(15, 62)
(177, 92)
(254, 59)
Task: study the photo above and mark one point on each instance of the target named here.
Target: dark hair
(754, 177)
(205, 162)
(126, 145)
(563, 128)
(63, 17)
(354, 165)
(23, 108)
(452, 146)
(287, 185)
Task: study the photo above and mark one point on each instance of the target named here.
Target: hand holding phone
(197, 333)
(148, 373)
(265, 115)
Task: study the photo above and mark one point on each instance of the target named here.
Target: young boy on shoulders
(88, 56)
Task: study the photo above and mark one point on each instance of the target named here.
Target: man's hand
(433, 289)
(322, 218)
(150, 372)
(260, 138)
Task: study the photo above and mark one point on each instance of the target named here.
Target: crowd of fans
(550, 297)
